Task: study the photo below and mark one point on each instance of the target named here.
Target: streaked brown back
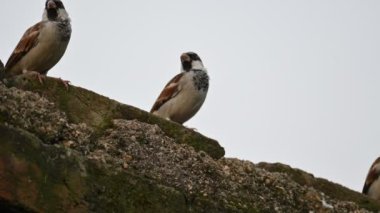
(27, 42)
(171, 89)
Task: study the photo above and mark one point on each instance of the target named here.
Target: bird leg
(39, 76)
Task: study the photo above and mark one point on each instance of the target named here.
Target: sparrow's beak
(186, 62)
(185, 57)
(51, 5)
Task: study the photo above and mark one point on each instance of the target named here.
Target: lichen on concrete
(113, 157)
(97, 112)
(36, 114)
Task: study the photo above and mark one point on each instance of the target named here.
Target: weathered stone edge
(81, 105)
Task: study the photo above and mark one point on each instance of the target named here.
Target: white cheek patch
(197, 65)
(63, 15)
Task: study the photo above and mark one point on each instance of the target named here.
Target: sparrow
(43, 44)
(372, 182)
(184, 94)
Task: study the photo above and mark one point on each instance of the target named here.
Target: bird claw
(39, 77)
(194, 129)
(65, 83)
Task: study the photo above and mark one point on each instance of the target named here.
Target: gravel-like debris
(233, 183)
(30, 111)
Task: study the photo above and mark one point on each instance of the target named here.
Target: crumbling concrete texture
(78, 151)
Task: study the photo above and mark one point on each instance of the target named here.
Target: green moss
(34, 173)
(176, 131)
(201, 203)
(11, 207)
(83, 106)
(44, 178)
(3, 117)
(129, 193)
(333, 190)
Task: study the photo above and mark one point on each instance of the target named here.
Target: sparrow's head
(55, 11)
(191, 61)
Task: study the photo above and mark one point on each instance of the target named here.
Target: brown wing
(27, 42)
(373, 174)
(171, 89)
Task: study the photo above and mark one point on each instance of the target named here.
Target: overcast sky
(292, 81)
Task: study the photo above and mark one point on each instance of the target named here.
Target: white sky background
(292, 81)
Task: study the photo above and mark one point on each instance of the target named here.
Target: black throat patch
(201, 80)
(186, 65)
(52, 14)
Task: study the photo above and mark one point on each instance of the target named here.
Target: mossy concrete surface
(39, 178)
(81, 105)
(34, 178)
(334, 190)
(77, 151)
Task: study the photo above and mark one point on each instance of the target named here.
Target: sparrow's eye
(194, 57)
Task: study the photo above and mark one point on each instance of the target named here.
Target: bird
(184, 94)
(43, 44)
(372, 182)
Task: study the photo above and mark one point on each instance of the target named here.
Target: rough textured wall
(78, 151)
